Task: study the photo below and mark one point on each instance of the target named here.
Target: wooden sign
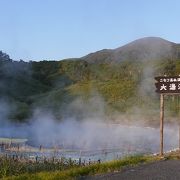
(167, 85)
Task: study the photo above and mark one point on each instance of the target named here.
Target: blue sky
(58, 29)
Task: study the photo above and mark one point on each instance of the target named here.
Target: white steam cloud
(90, 133)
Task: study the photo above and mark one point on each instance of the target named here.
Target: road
(161, 170)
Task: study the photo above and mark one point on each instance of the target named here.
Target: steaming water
(97, 141)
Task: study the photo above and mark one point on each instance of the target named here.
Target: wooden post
(179, 136)
(161, 123)
(178, 124)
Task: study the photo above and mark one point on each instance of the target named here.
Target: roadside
(160, 170)
(167, 168)
(135, 168)
(89, 170)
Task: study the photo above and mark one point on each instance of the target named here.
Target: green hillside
(122, 78)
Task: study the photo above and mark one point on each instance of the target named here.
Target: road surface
(161, 170)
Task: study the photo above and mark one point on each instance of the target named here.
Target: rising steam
(90, 133)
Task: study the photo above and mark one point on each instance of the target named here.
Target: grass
(173, 155)
(94, 169)
(15, 167)
(12, 140)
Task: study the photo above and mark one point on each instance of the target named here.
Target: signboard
(168, 85)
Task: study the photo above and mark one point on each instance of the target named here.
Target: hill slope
(106, 83)
(145, 49)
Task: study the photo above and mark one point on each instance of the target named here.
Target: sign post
(179, 136)
(166, 86)
(161, 124)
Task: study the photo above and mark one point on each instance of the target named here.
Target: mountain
(145, 49)
(106, 83)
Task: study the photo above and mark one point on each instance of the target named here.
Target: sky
(60, 29)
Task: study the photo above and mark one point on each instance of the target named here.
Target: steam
(4, 108)
(92, 132)
(147, 82)
(84, 124)
(87, 135)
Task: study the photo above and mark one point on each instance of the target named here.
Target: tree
(4, 57)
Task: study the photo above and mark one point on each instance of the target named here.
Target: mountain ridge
(122, 77)
(142, 49)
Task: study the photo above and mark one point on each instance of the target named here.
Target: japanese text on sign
(168, 84)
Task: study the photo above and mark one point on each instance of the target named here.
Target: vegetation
(17, 170)
(14, 166)
(123, 78)
(55, 84)
(68, 169)
(12, 140)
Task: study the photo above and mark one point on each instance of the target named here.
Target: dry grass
(75, 172)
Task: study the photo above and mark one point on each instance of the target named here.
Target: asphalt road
(161, 170)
